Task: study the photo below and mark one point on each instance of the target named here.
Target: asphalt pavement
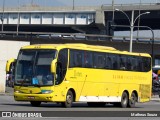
(9, 91)
(8, 104)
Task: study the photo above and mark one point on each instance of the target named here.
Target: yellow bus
(67, 73)
(10, 65)
(9, 72)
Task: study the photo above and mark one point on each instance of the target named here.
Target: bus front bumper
(34, 97)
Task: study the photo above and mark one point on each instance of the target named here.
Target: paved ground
(7, 103)
(9, 91)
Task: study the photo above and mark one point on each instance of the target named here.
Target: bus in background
(9, 72)
(67, 73)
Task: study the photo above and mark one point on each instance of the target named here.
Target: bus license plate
(31, 97)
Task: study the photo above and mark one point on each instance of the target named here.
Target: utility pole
(18, 19)
(2, 18)
(73, 5)
(131, 32)
(152, 42)
(132, 22)
(113, 10)
(139, 17)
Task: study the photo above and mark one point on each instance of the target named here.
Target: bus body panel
(94, 84)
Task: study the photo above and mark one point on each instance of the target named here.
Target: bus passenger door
(60, 80)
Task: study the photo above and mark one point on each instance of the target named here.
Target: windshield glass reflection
(33, 67)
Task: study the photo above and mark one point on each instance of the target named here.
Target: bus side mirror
(53, 66)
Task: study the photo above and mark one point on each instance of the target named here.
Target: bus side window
(122, 60)
(71, 59)
(88, 61)
(76, 57)
(129, 65)
(115, 62)
(134, 64)
(94, 60)
(99, 60)
(79, 60)
(108, 62)
(140, 64)
(149, 64)
(146, 62)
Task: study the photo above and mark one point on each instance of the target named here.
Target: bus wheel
(132, 101)
(69, 100)
(124, 100)
(35, 103)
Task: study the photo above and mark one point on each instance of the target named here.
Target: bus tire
(132, 101)
(69, 100)
(35, 103)
(124, 100)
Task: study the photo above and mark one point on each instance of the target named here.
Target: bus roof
(81, 46)
(69, 45)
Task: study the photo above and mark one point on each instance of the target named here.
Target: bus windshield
(34, 68)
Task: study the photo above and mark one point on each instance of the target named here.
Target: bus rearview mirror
(53, 66)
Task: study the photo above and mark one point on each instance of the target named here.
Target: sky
(14, 3)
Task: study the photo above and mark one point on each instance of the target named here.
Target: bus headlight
(17, 91)
(46, 91)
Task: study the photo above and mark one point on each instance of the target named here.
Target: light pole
(73, 5)
(113, 9)
(2, 18)
(152, 43)
(18, 19)
(132, 22)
